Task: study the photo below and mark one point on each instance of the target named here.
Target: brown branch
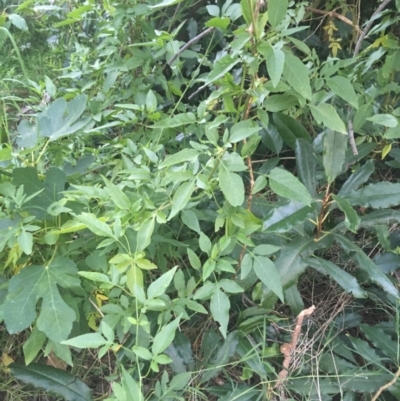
(387, 385)
(288, 349)
(190, 43)
(336, 15)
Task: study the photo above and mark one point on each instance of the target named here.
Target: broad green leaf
(95, 225)
(189, 218)
(275, 59)
(183, 156)
(265, 249)
(18, 21)
(39, 282)
(360, 118)
(176, 121)
(352, 220)
(366, 264)
(359, 177)
(285, 218)
(296, 74)
(243, 130)
(181, 197)
(193, 259)
(33, 345)
(285, 184)
(208, 268)
(219, 307)
(306, 164)
(165, 337)
(28, 135)
(386, 120)
(294, 300)
(383, 216)
(95, 276)
(151, 102)
(232, 187)
(276, 103)
(221, 67)
(52, 380)
(378, 196)
(268, 274)
(290, 129)
(131, 387)
(335, 145)
(25, 241)
(344, 279)
(144, 234)
(230, 286)
(90, 340)
(159, 286)
(381, 340)
(326, 115)
(276, 11)
(117, 195)
(342, 87)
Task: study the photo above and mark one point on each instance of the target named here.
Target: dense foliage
(179, 180)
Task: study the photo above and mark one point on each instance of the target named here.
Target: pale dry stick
(357, 49)
(288, 349)
(387, 385)
(336, 15)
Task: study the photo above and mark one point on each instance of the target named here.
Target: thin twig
(190, 43)
(336, 15)
(387, 385)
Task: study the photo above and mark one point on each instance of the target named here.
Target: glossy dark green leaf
(243, 130)
(285, 184)
(33, 345)
(344, 279)
(352, 219)
(335, 145)
(366, 264)
(276, 11)
(221, 67)
(378, 196)
(52, 380)
(326, 115)
(343, 88)
(306, 164)
(277, 103)
(384, 216)
(360, 118)
(381, 340)
(285, 218)
(294, 300)
(359, 177)
(275, 59)
(296, 74)
(290, 129)
(266, 271)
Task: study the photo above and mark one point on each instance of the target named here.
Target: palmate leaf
(40, 282)
(52, 380)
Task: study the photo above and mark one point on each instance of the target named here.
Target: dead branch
(387, 385)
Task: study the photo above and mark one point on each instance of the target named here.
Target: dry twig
(387, 385)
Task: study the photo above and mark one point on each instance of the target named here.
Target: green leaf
(243, 130)
(290, 129)
(33, 345)
(296, 74)
(352, 220)
(359, 177)
(193, 259)
(275, 60)
(387, 120)
(221, 67)
(95, 225)
(183, 156)
(360, 118)
(25, 241)
(285, 218)
(335, 145)
(230, 286)
(326, 115)
(231, 186)
(131, 387)
(176, 121)
(219, 307)
(18, 21)
(39, 282)
(306, 164)
(344, 279)
(151, 102)
(181, 197)
(95, 276)
(277, 103)
(366, 264)
(285, 184)
(268, 274)
(378, 196)
(265, 249)
(165, 337)
(90, 340)
(189, 218)
(276, 11)
(117, 195)
(144, 234)
(159, 286)
(381, 340)
(52, 380)
(342, 87)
